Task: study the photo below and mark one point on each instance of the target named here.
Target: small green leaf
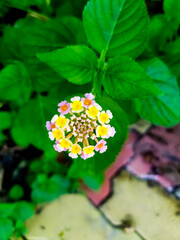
(6, 209)
(77, 64)
(46, 189)
(6, 229)
(5, 120)
(14, 82)
(16, 192)
(163, 109)
(172, 9)
(23, 210)
(118, 27)
(20, 228)
(125, 79)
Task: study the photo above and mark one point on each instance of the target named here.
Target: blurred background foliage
(29, 92)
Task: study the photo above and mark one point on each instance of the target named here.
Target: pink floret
(62, 104)
(48, 125)
(103, 148)
(83, 156)
(113, 131)
(89, 96)
(56, 148)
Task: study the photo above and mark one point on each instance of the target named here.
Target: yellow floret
(65, 143)
(102, 131)
(93, 112)
(58, 134)
(88, 150)
(76, 149)
(61, 121)
(77, 106)
(103, 117)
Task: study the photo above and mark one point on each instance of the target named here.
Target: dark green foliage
(53, 50)
(46, 189)
(12, 216)
(164, 109)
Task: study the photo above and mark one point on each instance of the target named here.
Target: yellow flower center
(102, 131)
(53, 125)
(93, 111)
(104, 117)
(89, 150)
(65, 143)
(77, 106)
(100, 145)
(87, 102)
(76, 149)
(57, 134)
(61, 122)
(64, 107)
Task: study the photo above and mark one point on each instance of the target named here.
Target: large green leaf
(164, 109)
(6, 229)
(118, 27)
(125, 79)
(77, 64)
(14, 82)
(29, 124)
(98, 163)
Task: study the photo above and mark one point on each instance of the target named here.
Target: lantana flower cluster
(81, 128)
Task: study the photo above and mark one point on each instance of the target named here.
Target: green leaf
(5, 120)
(2, 138)
(172, 9)
(77, 64)
(14, 82)
(25, 4)
(3, 9)
(128, 108)
(18, 43)
(76, 30)
(6, 209)
(29, 124)
(118, 27)
(125, 79)
(20, 228)
(161, 32)
(43, 78)
(46, 189)
(6, 229)
(16, 192)
(23, 210)
(163, 109)
(98, 163)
